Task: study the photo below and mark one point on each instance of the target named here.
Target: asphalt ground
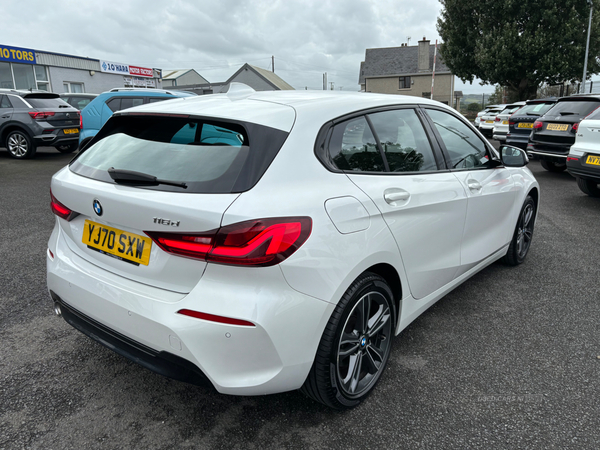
(510, 359)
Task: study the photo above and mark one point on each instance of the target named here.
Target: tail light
(262, 242)
(572, 158)
(575, 127)
(80, 121)
(497, 119)
(61, 210)
(40, 115)
(511, 122)
(538, 124)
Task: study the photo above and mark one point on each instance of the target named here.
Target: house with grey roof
(259, 79)
(182, 77)
(407, 70)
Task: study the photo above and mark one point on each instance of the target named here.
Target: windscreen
(207, 156)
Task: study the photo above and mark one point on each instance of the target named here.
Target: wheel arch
(392, 278)
(13, 126)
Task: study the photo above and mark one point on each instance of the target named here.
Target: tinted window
(353, 147)
(4, 102)
(570, 107)
(403, 140)
(464, 147)
(130, 102)
(52, 103)
(157, 99)
(535, 109)
(210, 157)
(114, 104)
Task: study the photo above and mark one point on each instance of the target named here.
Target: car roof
(580, 98)
(79, 94)
(279, 109)
(543, 100)
(35, 93)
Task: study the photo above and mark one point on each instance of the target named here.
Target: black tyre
(355, 345)
(66, 148)
(521, 241)
(552, 166)
(588, 187)
(19, 145)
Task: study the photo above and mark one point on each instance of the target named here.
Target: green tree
(519, 43)
(476, 107)
(496, 97)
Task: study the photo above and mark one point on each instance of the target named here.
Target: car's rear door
(490, 190)
(389, 156)
(6, 110)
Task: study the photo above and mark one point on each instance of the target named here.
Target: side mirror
(513, 156)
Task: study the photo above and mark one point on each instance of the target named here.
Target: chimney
(423, 64)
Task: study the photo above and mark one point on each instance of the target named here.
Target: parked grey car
(29, 119)
(78, 100)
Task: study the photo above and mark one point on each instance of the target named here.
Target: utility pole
(587, 45)
(331, 83)
(325, 81)
(273, 63)
(407, 40)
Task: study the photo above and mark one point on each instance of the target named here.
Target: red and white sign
(141, 71)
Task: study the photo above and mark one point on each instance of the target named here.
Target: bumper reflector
(214, 318)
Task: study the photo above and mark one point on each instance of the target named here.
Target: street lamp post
(587, 45)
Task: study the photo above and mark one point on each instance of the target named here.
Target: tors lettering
(167, 222)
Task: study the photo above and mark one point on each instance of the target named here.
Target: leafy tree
(474, 107)
(519, 43)
(496, 97)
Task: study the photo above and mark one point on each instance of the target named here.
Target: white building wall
(95, 84)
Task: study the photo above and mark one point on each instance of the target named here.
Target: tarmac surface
(510, 359)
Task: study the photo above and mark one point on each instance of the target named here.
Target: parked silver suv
(29, 119)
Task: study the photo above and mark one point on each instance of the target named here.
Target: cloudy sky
(215, 37)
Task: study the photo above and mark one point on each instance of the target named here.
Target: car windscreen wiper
(132, 177)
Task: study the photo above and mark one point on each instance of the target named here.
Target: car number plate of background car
(128, 247)
(525, 125)
(505, 122)
(591, 159)
(71, 131)
(557, 127)
(489, 121)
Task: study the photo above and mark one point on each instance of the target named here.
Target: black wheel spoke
(349, 344)
(374, 358)
(378, 321)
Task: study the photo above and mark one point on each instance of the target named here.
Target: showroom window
(74, 88)
(23, 76)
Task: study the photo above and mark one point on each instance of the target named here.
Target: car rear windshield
(209, 156)
(535, 109)
(574, 107)
(47, 103)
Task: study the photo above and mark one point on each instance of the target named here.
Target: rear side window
(353, 147)
(114, 104)
(130, 102)
(571, 107)
(403, 140)
(209, 156)
(4, 102)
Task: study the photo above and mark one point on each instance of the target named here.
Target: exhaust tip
(57, 309)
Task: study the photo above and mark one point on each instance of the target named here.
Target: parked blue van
(99, 110)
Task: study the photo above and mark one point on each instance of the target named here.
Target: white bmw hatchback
(271, 241)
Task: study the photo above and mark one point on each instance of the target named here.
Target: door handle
(393, 195)
(474, 185)
(5, 117)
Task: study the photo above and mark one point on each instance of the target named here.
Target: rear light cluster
(572, 158)
(40, 115)
(262, 242)
(575, 127)
(511, 122)
(497, 119)
(538, 124)
(61, 210)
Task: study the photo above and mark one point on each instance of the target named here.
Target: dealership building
(25, 68)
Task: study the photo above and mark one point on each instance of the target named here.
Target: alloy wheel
(525, 230)
(17, 145)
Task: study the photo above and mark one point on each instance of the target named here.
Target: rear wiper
(566, 113)
(131, 177)
(533, 114)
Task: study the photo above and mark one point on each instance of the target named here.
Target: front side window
(353, 147)
(463, 146)
(403, 140)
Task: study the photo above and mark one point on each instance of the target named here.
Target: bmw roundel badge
(97, 207)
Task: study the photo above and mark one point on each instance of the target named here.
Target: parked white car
(271, 241)
(480, 114)
(500, 129)
(583, 161)
(486, 127)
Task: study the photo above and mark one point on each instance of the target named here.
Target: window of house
(404, 83)
(76, 88)
(465, 149)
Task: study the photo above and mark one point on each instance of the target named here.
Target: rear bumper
(134, 320)
(55, 138)
(548, 152)
(499, 136)
(586, 172)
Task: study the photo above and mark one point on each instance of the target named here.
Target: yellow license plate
(595, 160)
(489, 121)
(119, 244)
(557, 127)
(505, 122)
(71, 131)
(525, 125)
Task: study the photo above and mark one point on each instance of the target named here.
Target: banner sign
(125, 69)
(17, 55)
